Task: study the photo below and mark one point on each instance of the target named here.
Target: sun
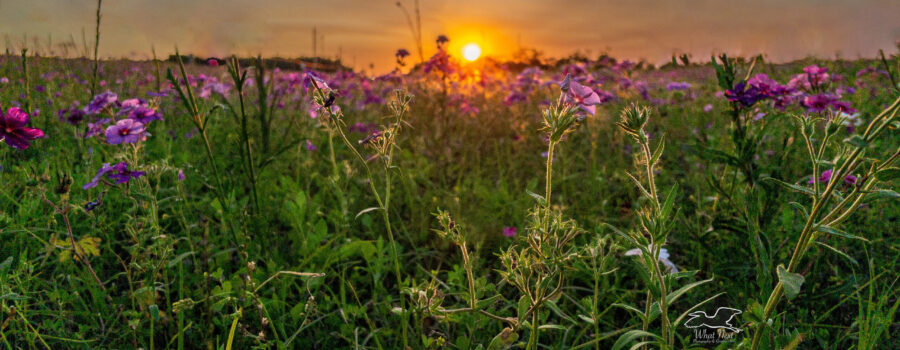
(471, 52)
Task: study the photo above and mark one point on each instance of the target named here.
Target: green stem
(534, 336)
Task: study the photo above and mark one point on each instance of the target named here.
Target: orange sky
(369, 31)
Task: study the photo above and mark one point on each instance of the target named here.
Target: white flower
(663, 257)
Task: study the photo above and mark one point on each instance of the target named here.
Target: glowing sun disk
(471, 52)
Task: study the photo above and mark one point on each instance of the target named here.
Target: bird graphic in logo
(721, 319)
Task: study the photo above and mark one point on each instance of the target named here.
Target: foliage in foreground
(236, 207)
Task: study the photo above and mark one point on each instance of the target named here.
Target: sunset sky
(368, 32)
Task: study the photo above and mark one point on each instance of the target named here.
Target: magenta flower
(826, 176)
(139, 110)
(579, 95)
(509, 231)
(14, 131)
(119, 173)
(126, 131)
(97, 128)
(101, 101)
(212, 62)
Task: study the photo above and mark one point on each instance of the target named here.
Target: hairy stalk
(808, 233)
(77, 250)
(383, 204)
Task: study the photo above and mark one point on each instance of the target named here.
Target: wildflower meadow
(454, 202)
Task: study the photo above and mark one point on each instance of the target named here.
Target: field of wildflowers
(578, 203)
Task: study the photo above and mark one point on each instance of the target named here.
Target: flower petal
(32, 133)
(15, 117)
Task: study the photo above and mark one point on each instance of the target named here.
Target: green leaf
(639, 186)
(673, 296)
(483, 303)
(504, 339)
(852, 260)
(361, 212)
(790, 281)
(800, 208)
(669, 203)
(555, 308)
(834, 231)
(790, 186)
(888, 174)
(632, 335)
(857, 141)
(659, 150)
(523, 305)
(633, 309)
(541, 200)
(879, 194)
(552, 326)
(586, 319)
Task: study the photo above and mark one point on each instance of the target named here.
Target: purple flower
(766, 86)
(816, 75)
(708, 108)
(401, 54)
(101, 101)
(14, 131)
(72, 115)
(119, 173)
(825, 177)
(821, 102)
(514, 97)
(678, 86)
(311, 78)
(310, 146)
(139, 110)
(180, 175)
(509, 231)
(744, 95)
(126, 131)
(579, 95)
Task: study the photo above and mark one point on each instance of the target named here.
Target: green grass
(281, 252)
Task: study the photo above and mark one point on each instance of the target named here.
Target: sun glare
(471, 51)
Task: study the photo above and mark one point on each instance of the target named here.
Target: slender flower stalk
(199, 119)
(816, 223)
(240, 78)
(385, 145)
